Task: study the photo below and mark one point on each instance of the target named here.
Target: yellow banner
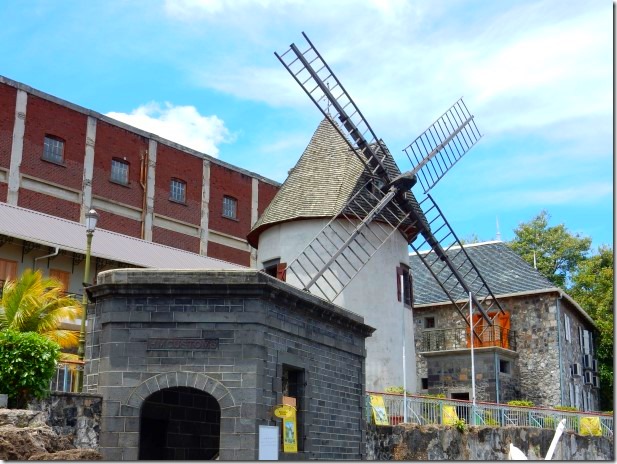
(380, 415)
(290, 435)
(590, 425)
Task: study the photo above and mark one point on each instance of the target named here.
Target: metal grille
(120, 171)
(177, 190)
(53, 149)
(230, 207)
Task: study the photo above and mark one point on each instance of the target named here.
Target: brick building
(61, 159)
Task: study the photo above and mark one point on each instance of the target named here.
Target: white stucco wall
(372, 294)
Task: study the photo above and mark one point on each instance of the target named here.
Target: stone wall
(234, 335)
(540, 362)
(76, 416)
(433, 443)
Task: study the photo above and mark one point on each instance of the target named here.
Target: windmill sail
(321, 85)
(348, 241)
(455, 272)
(344, 246)
(442, 145)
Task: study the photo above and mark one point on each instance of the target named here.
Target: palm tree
(33, 303)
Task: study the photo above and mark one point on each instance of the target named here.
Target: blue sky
(537, 75)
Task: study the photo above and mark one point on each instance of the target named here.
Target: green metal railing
(425, 410)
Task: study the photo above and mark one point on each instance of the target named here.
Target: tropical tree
(33, 303)
(555, 251)
(593, 288)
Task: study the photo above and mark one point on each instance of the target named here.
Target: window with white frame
(230, 207)
(119, 171)
(53, 149)
(567, 328)
(177, 191)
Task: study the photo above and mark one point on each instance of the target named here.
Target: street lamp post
(91, 218)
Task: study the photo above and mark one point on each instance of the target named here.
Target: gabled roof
(54, 232)
(505, 272)
(326, 176)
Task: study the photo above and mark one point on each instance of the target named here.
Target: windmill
(382, 203)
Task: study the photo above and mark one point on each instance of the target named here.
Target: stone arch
(196, 380)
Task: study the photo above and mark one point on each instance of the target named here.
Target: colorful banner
(290, 435)
(380, 415)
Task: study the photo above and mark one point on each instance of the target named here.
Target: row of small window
(53, 150)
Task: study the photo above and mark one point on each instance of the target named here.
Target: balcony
(458, 339)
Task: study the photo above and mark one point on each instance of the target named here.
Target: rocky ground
(25, 436)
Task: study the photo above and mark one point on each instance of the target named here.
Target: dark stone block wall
(76, 416)
(232, 335)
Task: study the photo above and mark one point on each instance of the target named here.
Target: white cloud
(180, 124)
(520, 65)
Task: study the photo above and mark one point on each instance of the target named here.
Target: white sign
(269, 442)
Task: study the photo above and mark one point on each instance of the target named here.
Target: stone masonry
(232, 335)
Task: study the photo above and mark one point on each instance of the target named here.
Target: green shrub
(566, 408)
(461, 425)
(27, 364)
(396, 390)
(525, 403)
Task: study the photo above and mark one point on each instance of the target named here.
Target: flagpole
(404, 362)
(473, 369)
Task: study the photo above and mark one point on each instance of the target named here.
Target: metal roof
(54, 232)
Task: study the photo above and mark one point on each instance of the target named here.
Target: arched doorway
(179, 423)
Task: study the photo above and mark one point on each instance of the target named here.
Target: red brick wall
(172, 163)
(120, 224)
(48, 204)
(44, 117)
(266, 194)
(8, 95)
(175, 239)
(3, 191)
(231, 255)
(115, 142)
(223, 182)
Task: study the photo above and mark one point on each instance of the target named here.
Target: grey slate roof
(52, 231)
(504, 271)
(327, 174)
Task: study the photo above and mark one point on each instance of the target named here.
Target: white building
(321, 183)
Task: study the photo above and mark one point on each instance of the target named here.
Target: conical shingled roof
(327, 174)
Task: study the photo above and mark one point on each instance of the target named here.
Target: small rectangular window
(429, 322)
(424, 383)
(504, 366)
(177, 191)
(403, 271)
(230, 207)
(53, 149)
(119, 171)
(275, 268)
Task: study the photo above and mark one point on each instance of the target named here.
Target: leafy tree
(27, 364)
(33, 303)
(593, 288)
(557, 251)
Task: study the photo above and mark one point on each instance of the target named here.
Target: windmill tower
(346, 210)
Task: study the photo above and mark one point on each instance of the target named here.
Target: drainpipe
(559, 347)
(496, 376)
(55, 253)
